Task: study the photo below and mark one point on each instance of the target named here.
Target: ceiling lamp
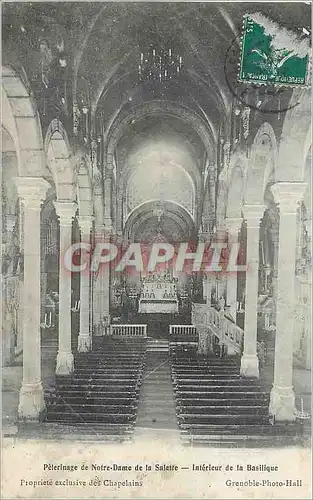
(159, 65)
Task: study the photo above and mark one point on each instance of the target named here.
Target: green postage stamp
(271, 54)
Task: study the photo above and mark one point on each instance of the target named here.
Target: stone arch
(177, 212)
(236, 182)
(20, 118)
(262, 164)
(161, 108)
(59, 161)
(84, 187)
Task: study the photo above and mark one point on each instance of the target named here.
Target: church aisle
(156, 406)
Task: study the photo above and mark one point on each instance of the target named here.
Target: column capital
(288, 195)
(253, 214)
(32, 190)
(66, 211)
(85, 223)
(233, 225)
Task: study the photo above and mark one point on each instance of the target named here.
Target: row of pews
(216, 406)
(102, 395)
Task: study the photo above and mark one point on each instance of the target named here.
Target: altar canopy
(158, 294)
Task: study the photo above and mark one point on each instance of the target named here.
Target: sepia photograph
(156, 244)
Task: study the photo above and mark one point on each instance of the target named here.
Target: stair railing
(227, 331)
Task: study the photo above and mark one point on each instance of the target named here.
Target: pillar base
(282, 404)
(84, 343)
(65, 363)
(32, 404)
(249, 366)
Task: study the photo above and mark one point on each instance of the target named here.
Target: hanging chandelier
(159, 65)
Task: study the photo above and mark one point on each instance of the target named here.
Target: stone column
(274, 232)
(105, 297)
(233, 227)
(10, 222)
(282, 399)
(101, 290)
(108, 201)
(249, 360)
(307, 285)
(32, 191)
(85, 335)
(208, 286)
(65, 360)
(10, 310)
(119, 213)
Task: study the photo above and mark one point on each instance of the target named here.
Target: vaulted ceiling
(102, 45)
(103, 42)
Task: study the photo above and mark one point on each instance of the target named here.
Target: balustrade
(127, 330)
(220, 326)
(183, 330)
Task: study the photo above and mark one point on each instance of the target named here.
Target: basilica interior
(126, 122)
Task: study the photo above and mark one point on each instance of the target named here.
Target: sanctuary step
(103, 390)
(156, 407)
(157, 345)
(215, 406)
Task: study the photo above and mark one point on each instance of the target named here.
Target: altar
(158, 294)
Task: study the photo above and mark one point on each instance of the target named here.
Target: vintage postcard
(156, 250)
